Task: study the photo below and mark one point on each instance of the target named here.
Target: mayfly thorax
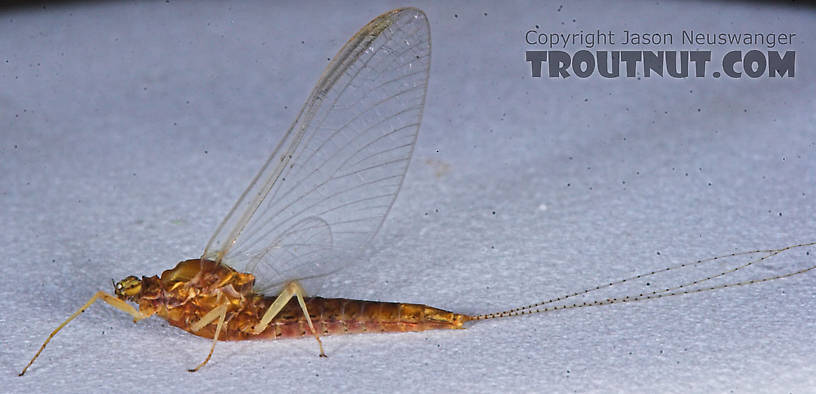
(318, 200)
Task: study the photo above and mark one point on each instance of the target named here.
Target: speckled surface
(128, 130)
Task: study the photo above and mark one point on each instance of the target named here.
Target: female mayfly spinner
(317, 201)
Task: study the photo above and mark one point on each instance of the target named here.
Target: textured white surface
(128, 130)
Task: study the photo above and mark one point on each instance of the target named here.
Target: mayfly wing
(329, 184)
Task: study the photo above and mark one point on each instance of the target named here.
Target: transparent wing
(328, 186)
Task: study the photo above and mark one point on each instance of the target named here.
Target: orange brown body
(184, 294)
(345, 157)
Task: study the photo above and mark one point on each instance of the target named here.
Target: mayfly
(315, 204)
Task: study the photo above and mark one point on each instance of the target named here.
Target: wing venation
(327, 187)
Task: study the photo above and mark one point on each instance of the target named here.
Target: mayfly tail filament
(687, 287)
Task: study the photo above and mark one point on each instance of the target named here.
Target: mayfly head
(128, 288)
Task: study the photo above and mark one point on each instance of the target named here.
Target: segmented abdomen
(332, 316)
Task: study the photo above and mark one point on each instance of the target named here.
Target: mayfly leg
(109, 298)
(292, 289)
(220, 313)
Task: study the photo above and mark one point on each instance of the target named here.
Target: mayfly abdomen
(334, 316)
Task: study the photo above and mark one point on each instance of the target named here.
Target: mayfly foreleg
(220, 313)
(109, 298)
(292, 289)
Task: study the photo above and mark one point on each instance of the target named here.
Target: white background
(128, 130)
